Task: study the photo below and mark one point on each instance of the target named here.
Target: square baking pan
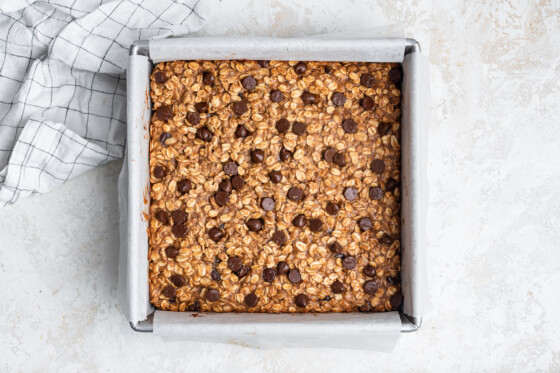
(134, 191)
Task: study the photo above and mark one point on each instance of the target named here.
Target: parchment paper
(357, 331)
(382, 44)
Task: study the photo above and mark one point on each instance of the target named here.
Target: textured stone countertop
(493, 228)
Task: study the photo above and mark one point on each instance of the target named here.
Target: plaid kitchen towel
(62, 83)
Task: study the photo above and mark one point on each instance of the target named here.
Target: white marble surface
(494, 226)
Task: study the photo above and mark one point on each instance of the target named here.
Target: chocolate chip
(392, 280)
(239, 107)
(375, 193)
(204, 134)
(337, 287)
(160, 77)
(299, 221)
(367, 80)
(301, 300)
(300, 68)
(308, 98)
(195, 307)
(377, 166)
(275, 176)
(282, 125)
(386, 240)
(294, 276)
(215, 234)
(251, 300)
(164, 136)
(369, 271)
(178, 280)
(241, 131)
(350, 193)
(215, 275)
(391, 184)
(295, 194)
(208, 78)
(283, 267)
(254, 225)
(242, 272)
(193, 118)
(249, 83)
(269, 274)
(263, 63)
(335, 247)
(349, 262)
(172, 252)
(370, 287)
(368, 103)
(338, 99)
(315, 225)
(299, 128)
(267, 204)
(234, 263)
(164, 113)
(384, 128)
(327, 298)
(257, 156)
(349, 126)
(364, 224)
(221, 198)
(332, 208)
(395, 75)
(327, 69)
(169, 291)
(340, 159)
(284, 154)
(279, 238)
(212, 295)
(230, 168)
(201, 107)
(276, 96)
(225, 185)
(162, 217)
(237, 182)
(179, 230)
(179, 216)
(396, 300)
(328, 154)
(184, 186)
(159, 172)
(366, 307)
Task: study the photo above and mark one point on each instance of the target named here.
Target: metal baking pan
(133, 279)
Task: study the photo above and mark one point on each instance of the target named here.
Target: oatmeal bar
(275, 186)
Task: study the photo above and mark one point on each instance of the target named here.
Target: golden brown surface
(179, 86)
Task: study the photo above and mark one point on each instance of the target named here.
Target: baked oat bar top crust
(275, 186)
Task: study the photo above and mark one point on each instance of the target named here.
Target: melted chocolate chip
(172, 252)
(239, 107)
(201, 107)
(254, 225)
(164, 136)
(225, 186)
(212, 295)
(369, 271)
(283, 125)
(193, 118)
(241, 131)
(268, 204)
(257, 155)
(178, 280)
(300, 68)
(279, 238)
(384, 128)
(350, 193)
(338, 99)
(160, 77)
(251, 300)
(159, 172)
(299, 128)
(386, 240)
(234, 263)
(349, 126)
(283, 267)
(276, 96)
(367, 80)
(249, 83)
(237, 182)
(301, 300)
(169, 291)
(275, 176)
(162, 217)
(215, 275)
(391, 184)
(396, 300)
(294, 276)
(365, 224)
(242, 272)
(328, 154)
(308, 98)
(208, 78)
(184, 186)
(377, 166)
(335, 247)
(204, 134)
(179, 230)
(337, 287)
(221, 198)
(349, 262)
(285, 154)
(179, 216)
(299, 221)
(370, 287)
(269, 274)
(332, 208)
(315, 225)
(368, 103)
(263, 63)
(164, 113)
(295, 194)
(230, 168)
(340, 159)
(215, 234)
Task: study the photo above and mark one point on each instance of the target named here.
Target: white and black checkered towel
(62, 83)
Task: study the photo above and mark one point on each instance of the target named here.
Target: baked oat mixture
(275, 186)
